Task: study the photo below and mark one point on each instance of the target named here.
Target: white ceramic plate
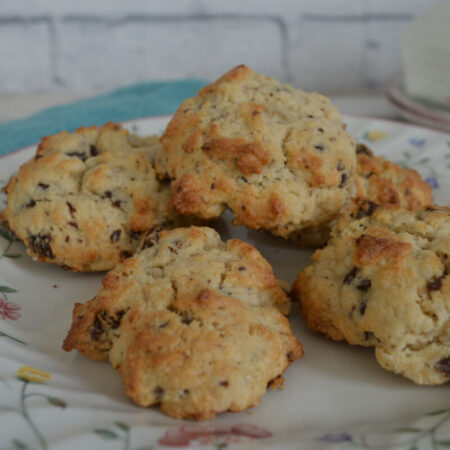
(336, 396)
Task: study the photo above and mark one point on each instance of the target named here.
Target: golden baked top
(84, 198)
(383, 281)
(388, 184)
(191, 323)
(278, 157)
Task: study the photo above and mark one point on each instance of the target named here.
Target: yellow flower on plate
(32, 374)
(375, 135)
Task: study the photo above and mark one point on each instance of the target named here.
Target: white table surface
(16, 106)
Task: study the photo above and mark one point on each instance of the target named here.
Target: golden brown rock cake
(84, 198)
(383, 281)
(278, 157)
(192, 324)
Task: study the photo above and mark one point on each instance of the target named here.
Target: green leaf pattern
(4, 290)
(426, 435)
(22, 410)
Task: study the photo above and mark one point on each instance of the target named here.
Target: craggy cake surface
(389, 184)
(383, 281)
(83, 200)
(381, 181)
(193, 324)
(278, 157)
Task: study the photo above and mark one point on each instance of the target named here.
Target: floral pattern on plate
(8, 310)
(27, 375)
(336, 398)
(423, 434)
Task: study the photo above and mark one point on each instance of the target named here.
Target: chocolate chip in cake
(436, 284)
(350, 275)
(135, 235)
(112, 321)
(40, 244)
(344, 179)
(366, 209)
(363, 149)
(443, 365)
(186, 320)
(116, 321)
(115, 235)
(368, 335)
(71, 208)
(96, 330)
(79, 155)
(362, 308)
(152, 237)
(94, 151)
(159, 392)
(364, 285)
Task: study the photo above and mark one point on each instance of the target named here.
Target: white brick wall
(25, 56)
(122, 51)
(334, 46)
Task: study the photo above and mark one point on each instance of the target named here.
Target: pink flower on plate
(8, 310)
(209, 434)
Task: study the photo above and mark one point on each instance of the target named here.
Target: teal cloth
(131, 102)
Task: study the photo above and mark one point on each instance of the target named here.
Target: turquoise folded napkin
(131, 102)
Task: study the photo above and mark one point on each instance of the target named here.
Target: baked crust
(278, 157)
(389, 184)
(381, 181)
(382, 281)
(84, 198)
(192, 324)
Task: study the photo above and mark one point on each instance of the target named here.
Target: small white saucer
(417, 110)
